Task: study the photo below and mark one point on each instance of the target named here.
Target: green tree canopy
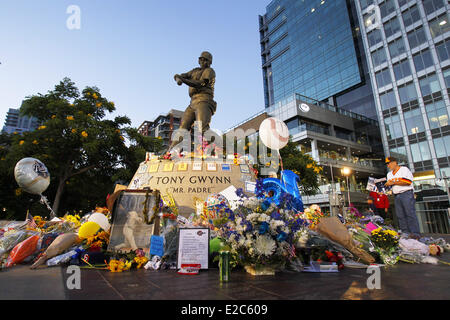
(84, 151)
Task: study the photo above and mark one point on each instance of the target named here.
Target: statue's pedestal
(191, 180)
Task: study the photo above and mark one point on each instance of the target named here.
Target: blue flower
(263, 227)
(276, 215)
(265, 205)
(240, 193)
(282, 236)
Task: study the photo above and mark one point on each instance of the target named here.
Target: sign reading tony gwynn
(190, 180)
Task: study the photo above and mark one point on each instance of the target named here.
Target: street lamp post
(346, 172)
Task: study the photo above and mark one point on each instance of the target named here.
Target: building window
(416, 37)
(402, 69)
(387, 7)
(432, 5)
(423, 60)
(407, 93)
(391, 27)
(437, 114)
(420, 151)
(443, 50)
(414, 121)
(374, 37)
(388, 100)
(393, 127)
(379, 57)
(365, 3)
(410, 16)
(442, 146)
(439, 25)
(399, 153)
(383, 78)
(429, 85)
(397, 47)
(446, 74)
(402, 3)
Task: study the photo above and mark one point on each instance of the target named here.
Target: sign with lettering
(157, 246)
(193, 247)
(197, 181)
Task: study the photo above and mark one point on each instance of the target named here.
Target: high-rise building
(162, 126)
(14, 122)
(314, 48)
(409, 46)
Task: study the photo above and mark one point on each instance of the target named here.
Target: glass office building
(410, 73)
(307, 47)
(409, 46)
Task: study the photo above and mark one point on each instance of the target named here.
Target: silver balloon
(32, 175)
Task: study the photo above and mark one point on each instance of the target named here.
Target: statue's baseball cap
(390, 159)
(206, 55)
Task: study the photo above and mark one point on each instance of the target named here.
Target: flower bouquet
(386, 245)
(261, 235)
(313, 214)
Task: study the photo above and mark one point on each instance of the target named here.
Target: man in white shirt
(401, 178)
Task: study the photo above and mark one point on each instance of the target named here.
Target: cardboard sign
(193, 247)
(157, 246)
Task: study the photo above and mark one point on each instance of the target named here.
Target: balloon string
(282, 169)
(44, 200)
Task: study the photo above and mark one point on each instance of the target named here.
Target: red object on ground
(22, 250)
(380, 201)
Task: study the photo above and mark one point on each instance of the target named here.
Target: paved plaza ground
(402, 281)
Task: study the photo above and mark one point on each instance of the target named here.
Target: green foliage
(84, 151)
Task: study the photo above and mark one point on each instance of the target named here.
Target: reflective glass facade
(412, 83)
(308, 47)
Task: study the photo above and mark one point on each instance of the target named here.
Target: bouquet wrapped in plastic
(10, 239)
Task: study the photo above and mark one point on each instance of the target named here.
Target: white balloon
(274, 133)
(101, 220)
(32, 175)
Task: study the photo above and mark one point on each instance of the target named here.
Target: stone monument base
(191, 180)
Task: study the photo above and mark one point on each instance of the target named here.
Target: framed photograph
(168, 166)
(244, 168)
(131, 228)
(196, 166)
(211, 166)
(246, 177)
(193, 247)
(250, 186)
(182, 166)
(226, 167)
(153, 167)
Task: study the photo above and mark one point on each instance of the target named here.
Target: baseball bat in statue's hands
(178, 79)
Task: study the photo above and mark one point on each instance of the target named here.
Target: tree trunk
(59, 193)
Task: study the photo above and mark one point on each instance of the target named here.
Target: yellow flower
(53, 116)
(21, 142)
(84, 134)
(35, 142)
(309, 165)
(98, 104)
(70, 118)
(15, 132)
(117, 130)
(89, 115)
(88, 93)
(74, 130)
(112, 103)
(95, 96)
(41, 127)
(18, 192)
(122, 138)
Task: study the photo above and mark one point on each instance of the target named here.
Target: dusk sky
(130, 50)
